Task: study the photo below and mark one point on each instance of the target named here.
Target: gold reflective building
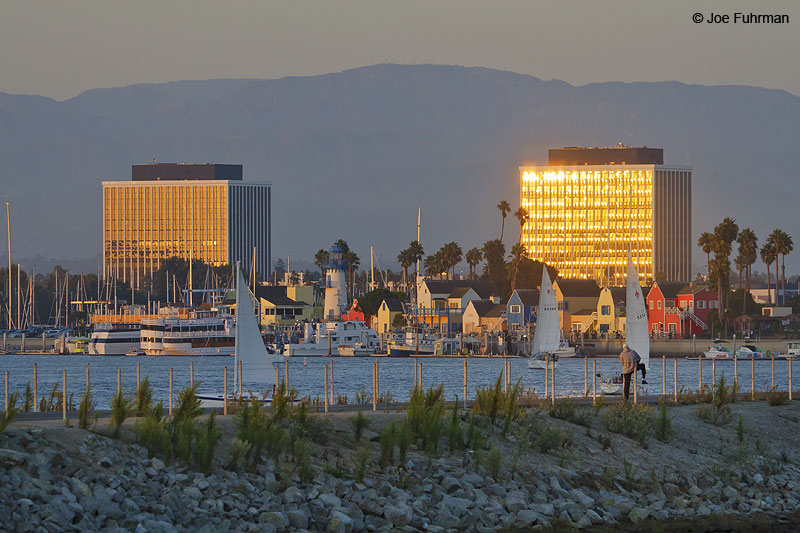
(586, 218)
(168, 210)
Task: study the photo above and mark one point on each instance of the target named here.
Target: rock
(515, 502)
(275, 518)
(694, 490)
(758, 479)
(193, 492)
(370, 507)
(292, 495)
(105, 462)
(526, 518)
(297, 519)
(671, 490)
(546, 509)
(340, 522)
(456, 506)
(10, 458)
(581, 498)
(730, 493)
(638, 514)
(593, 516)
(398, 514)
(330, 500)
(450, 484)
(703, 510)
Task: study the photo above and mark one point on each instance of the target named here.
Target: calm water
(351, 375)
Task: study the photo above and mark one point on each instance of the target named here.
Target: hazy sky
(60, 48)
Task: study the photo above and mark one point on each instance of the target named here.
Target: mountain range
(351, 154)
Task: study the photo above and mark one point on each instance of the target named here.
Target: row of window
(701, 304)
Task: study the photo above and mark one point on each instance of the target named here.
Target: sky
(59, 49)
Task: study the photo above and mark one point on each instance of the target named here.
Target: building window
(672, 328)
(605, 309)
(701, 304)
(683, 304)
(712, 304)
(563, 306)
(515, 326)
(652, 304)
(515, 309)
(659, 304)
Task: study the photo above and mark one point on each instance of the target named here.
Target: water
(352, 375)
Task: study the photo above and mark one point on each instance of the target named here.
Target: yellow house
(388, 311)
(611, 311)
(574, 295)
(277, 309)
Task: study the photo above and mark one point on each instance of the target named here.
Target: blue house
(521, 310)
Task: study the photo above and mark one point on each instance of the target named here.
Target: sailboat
(547, 337)
(257, 364)
(636, 333)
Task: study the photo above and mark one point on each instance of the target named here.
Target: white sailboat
(547, 337)
(257, 364)
(636, 329)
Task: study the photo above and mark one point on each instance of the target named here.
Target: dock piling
(546, 375)
(773, 371)
(594, 381)
(240, 382)
(87, 378)
(35, 388)
(465, 383)
(325, 400)
(675, 377)
(191, 373)
(374, 388)
(635, 387)
(790, 379)
(585, 376)
(332, 395)
(64, 397)
(699, 374)
(6, 376)
(753, 378)
(713, 372)
(119, 380)
(137, 378)
(663, 377)
(170, 392)
(553, 385)
(286, 374)
(225, 390)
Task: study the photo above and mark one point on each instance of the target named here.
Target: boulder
(276, 518)
(638, 514)
(399, 514)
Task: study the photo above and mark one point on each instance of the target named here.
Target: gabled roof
(669, 289)
(586, 288)
(528, 296)
(484, 288)
(618, 294)
(394, 304)
(584, 312)
(693, 288)
(496, 310)
(275, 294)
(459, 292)
(482, 307)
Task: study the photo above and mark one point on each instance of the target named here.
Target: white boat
(115, 338)
(356, 350)
(325, 339)
(412, 343)
(610, 386)
(564, 349)
(792, 350)
(547, 336)
(202, 333)
(750, 351)
(249, 350)
(718, 351)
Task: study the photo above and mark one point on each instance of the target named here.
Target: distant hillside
(351, 154)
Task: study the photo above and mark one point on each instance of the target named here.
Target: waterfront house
(677, 310)
(484, 316)
(611, 311)
(521, 310)
(355, 313)
(277, 309)
(582, 321)
(441, 303)
(388, 312)
(575, 295)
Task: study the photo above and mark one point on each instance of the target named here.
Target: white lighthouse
(335, 289)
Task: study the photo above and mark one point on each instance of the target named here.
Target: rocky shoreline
(56, 478)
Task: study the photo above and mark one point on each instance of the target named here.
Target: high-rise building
(200, 211)
(590, 207)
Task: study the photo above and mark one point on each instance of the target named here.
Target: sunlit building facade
(200, 211)
(586, 218)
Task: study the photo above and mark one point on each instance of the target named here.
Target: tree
(416, 252)
(371, 301)
(493, 253)
(405, 260)
(505, 209)
(706, 242)
(522, 216)
(748, 249)
(451, 256)
(321, 260)
(783, 247)
(724, 234)
(474, 257)
(768, 256)
(433, 265)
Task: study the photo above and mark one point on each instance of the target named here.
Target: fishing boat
(257, 365)
(413, 342)
(718, 350)
(750, 351)
(324, 339)
(547, 336)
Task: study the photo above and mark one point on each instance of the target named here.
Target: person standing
(640, 366)
(628, 361)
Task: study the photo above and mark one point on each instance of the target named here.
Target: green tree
(724, 234)
(474, 257)
(321, 260)
(768, 256)
(494, 252)
(505, 209)
(706, 242)
(405, 260)
(371, 301)
(783, 247)
(522, 216)
(451, 256)
(748, 250)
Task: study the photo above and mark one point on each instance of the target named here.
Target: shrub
(475, 437)
(251, 427)
(28, 405)
(740, 430)
(710, 414)
(238, 450)
(403, 438)
(632, 420)
(425, 410)
(776, 398)
(455, 433)
(144, 398)
(276, 438)
(570, 411)
(489, 400)
(663, 429)
(84, 409)
(359, 423)
(120, 409)
(207, 438)
(280, 403)
(362, 463)
(493, 462)
(151, 433)
(387, 441)
(10, 413)
(551, 438)
(302, 460)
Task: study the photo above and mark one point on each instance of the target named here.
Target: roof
(484, 288)
(274, 294)
(482, 307)
(459, 292)
(618, 294)
(496, 311)
(528, 296)
(693, 288)
(586, 288)
(668, 288)
(584, 312)
(394, 304)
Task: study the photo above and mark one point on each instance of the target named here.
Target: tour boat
(718, 351)
(115, 338)
(325, 339)
(412, 343)
(201, 333)
(257, 365)
(547, 336)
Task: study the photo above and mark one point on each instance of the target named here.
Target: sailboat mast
(19, 289)
(371, 268)
(8, 225)
(191, 260)
(236, 332)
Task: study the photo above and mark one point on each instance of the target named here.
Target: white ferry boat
(325, 338)
(114, 338)
(412, 343)
(201, 333)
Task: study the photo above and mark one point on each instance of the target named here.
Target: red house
(354, 312)
(677, 310)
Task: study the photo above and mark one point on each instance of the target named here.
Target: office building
(590, 207)
(200, 211)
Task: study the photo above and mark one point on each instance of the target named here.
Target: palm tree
(774, 239)
(353, 262)
(748, 249)
(522, 216)
(493, 253)
(405, 260)
(451, 256)
(474, 257)
(724, 234)
(416, 252)
(768, 256)
(504, 210)
(706, 242)
(783, 247)
(321, 260)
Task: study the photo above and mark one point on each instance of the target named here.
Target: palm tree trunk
(502, 228)
(708, 267)
(769, 291)
(776, 280)
(783, 277)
